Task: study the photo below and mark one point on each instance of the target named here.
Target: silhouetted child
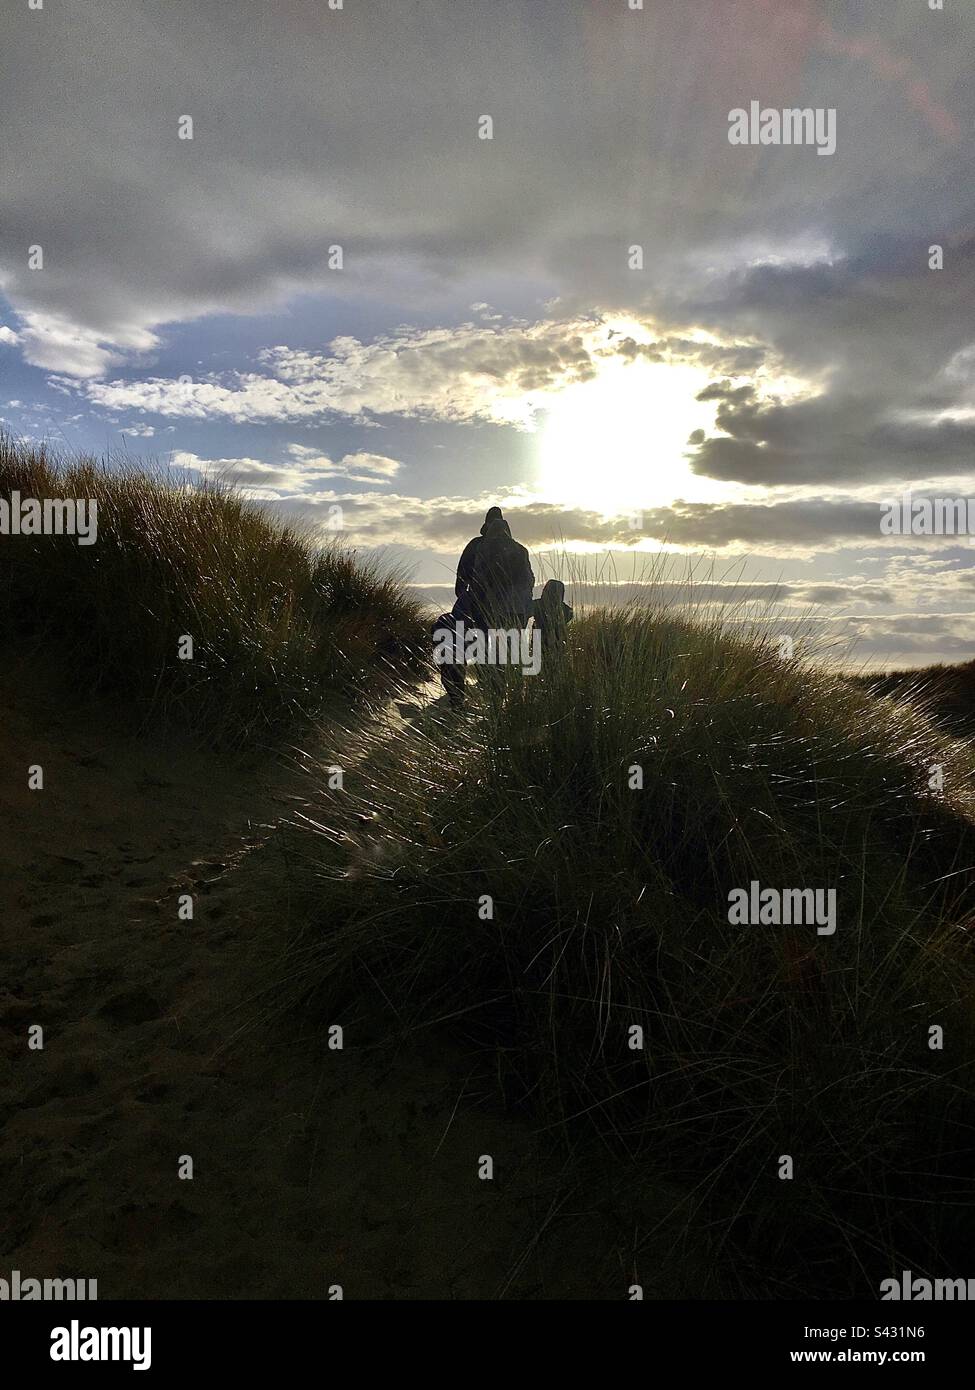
(552, 615)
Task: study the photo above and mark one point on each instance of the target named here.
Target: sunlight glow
(616, 444)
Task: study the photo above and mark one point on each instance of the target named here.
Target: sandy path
(310, 1167)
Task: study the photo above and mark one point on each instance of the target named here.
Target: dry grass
(610, 910)
(280, 624)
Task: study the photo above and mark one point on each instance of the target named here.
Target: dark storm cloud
(875, 313)
(886, 336)
(827, 439)
(358, 127)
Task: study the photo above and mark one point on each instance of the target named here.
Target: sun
(616, 444)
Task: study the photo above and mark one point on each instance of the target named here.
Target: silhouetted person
(446, 636)
(552, 615)
(502, 580)
(465, 565)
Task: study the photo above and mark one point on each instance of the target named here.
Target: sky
(410, 258)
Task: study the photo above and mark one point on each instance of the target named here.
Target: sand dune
(311, 1168)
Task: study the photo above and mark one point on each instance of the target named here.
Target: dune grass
(945, 693)
(501, 875)
(546, 875)
(280, 624)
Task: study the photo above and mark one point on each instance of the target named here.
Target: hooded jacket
(502, 581)
(552, 613)
(465, 565)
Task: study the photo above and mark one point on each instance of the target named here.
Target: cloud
(359, 467)
(53, 341)
(795, 528)
(471, 374)
(839, 361)
(466, 374)
(828, 438)
(312, 483)
(262, 481)
(370, 467)
(882, 346)
(601, 138)
(303, 477)
(841, 593)
(698, 592)
(864, 371)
